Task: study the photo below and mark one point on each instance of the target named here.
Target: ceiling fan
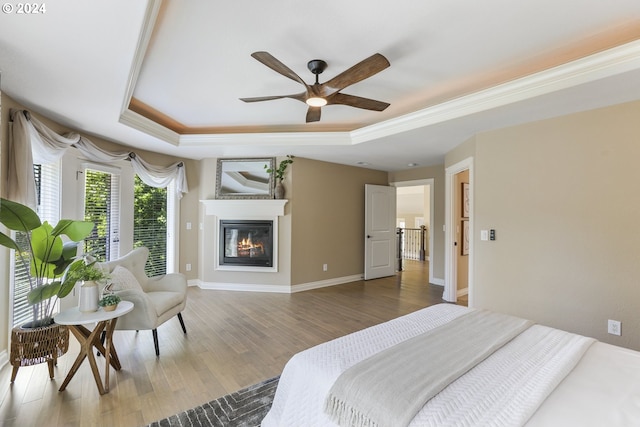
(327, 93)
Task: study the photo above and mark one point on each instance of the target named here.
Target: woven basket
(33, 346)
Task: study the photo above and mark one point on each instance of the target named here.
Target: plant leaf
(47, 247)
(18, 217)
(43, 293)
(75, 230)
(8, 242)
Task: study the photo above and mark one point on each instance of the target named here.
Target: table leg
(87, 340)
(110, 355)
(81, 333)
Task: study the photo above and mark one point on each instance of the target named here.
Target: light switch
(188, 226)
(492, 234)
(484, 234)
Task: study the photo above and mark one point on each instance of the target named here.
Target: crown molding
(279, 138)
(143, 124)
(604, 64)
(148, 23)
(588, 69)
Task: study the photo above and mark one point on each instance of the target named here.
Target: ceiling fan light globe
(316, 102)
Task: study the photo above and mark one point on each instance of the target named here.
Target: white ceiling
(458, 67)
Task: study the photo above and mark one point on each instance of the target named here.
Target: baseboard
(245, 287)
(462, 292)
(326, 283)
(4, 358)
(282, 289)
(436, 281)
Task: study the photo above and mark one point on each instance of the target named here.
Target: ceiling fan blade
(356, 101)
(313, 114)
(270, 61)
(362, 70)
(299, 96)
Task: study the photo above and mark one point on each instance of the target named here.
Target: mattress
(602, 389)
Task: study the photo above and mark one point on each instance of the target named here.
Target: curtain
(32, 142)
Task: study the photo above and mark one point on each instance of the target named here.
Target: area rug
(244, 408)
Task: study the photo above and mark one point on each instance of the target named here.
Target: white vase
(89, 294)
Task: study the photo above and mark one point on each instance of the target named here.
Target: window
(47, 179)
(102, 207)
(150, 225)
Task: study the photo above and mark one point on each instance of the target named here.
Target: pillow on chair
(122, 279)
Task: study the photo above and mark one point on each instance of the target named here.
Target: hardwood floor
(234, 339)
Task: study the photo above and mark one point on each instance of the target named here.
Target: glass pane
(150, 225)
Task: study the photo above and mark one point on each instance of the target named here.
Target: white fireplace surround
(259, 209)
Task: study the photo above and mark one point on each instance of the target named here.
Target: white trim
(283, 289)
(437, 281)
(244, 209)
(326, 283)
(296, 139)
(4, 357)
(611, 62)
(245, 287)
(151, 128)
(450, 273)
(148, 22)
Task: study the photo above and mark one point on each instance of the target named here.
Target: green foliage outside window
(149, 219)
(150, 225)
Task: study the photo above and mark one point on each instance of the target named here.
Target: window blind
(150, 225)
(47, 179)
(102, 207)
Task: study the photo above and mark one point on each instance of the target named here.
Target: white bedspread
(505, 388)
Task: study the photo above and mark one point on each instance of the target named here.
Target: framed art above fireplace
(245, 178)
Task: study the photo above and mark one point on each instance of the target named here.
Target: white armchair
(156, 299)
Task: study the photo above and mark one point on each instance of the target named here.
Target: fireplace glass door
(246, 243)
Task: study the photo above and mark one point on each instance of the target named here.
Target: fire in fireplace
(246, 243)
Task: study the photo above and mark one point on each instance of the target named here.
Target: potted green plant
(90, 276)
(47, 260)
(109, 302)
(278, 173)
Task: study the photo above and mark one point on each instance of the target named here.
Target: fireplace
(246, 243)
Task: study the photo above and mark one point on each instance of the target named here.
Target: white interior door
(380, 231)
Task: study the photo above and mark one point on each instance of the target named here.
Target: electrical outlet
(188, 267)
(614, 327)
(325, 267)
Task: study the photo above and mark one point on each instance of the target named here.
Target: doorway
(414, 201)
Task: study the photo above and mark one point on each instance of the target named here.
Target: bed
(539, 376)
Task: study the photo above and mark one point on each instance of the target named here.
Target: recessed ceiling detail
(169, 80)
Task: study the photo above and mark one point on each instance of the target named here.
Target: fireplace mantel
(245, 208)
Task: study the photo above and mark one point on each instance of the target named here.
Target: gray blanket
(389, 388)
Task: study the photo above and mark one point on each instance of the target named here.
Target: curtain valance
(33, 142)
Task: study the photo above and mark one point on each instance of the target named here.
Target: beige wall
(562, 196)
(327, 226)
(436, 262)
